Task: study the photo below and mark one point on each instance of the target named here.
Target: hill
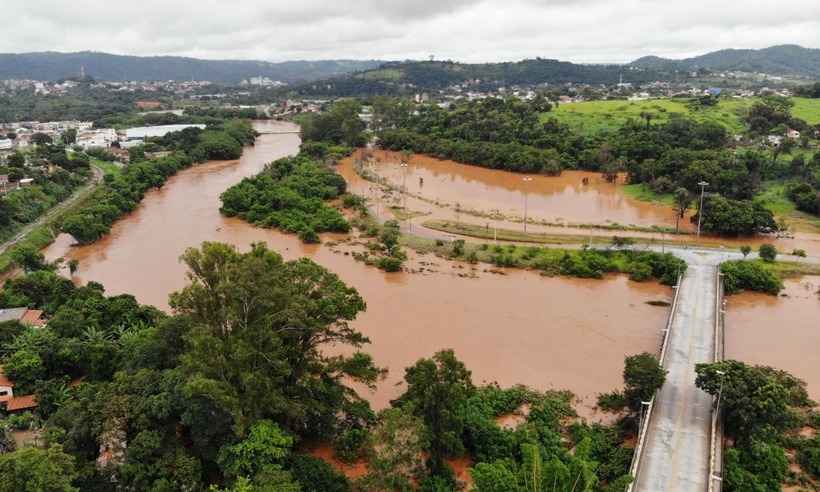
(104, 66)
(776, 60)
(431, 75)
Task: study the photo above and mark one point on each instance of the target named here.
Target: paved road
(676, 453)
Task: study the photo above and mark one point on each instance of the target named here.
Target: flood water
(782, 332)
(514, 328)
(577, 197)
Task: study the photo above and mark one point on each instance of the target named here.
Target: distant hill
(103, 66)
(787, 59)
(411, 76)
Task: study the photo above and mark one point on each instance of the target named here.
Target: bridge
(680, 445)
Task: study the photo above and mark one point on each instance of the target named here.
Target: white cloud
(483, 30)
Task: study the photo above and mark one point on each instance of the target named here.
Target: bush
(799, 252)
(350, 444)
(767, 252)
(308, 235)
(389, 264)
(749, 275)
(317, 476)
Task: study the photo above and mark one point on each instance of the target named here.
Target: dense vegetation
(759, 406)
(227, 390)
(674, 154)
(104, 66)
(408, 76)
(120, 194)
(749, 275)
(290, 194)
(25, 205)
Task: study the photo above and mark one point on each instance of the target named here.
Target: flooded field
(556, 205)
(514, 328)
(576, 197)
(782, 332)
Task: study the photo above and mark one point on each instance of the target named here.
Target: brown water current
(511, 328)
(782, 332)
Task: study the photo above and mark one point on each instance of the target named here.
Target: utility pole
(703, 185)
(526, 180)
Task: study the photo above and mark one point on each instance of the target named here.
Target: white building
(6, 144)
(102, 138)
(144, 132)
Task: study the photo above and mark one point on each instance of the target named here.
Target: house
(102, 138)
(23, 315)
(775, 140)
(21, 403)
(793, 134)
(148, 104)
(6, 144)
(25, 182)
(6, 387)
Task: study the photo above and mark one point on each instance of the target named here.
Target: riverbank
(42, 232)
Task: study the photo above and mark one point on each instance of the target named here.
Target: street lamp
(526, 179)
(703, 185)
(404, 166)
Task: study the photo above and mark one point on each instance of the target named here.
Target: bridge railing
(635, 467)
(716, 446)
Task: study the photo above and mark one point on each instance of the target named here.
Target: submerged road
(676, 453)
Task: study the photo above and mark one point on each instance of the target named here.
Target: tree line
(120, 194)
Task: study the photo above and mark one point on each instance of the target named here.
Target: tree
(767, 252)
(260, 325)
(266, 445)
(37, 470)
(70, 136)
(643, 376)
(396, 446)
(73, 265)
(437, 389)
(745, 250)
(683, 200)
(28, 258)
(756, 401)
(40, 139)
(495, 477)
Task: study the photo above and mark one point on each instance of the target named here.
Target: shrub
(389, 264)
(749, 275)
(350, 444)
(767, 252)
(317, 476)
(799, 252)
(308, 235)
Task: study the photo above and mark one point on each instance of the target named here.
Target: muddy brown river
(782, 332)
(513, 328)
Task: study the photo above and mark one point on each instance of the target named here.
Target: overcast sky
(489, 30)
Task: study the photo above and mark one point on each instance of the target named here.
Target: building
(143, 132)
(6, 387)
(793, 134)
(148, 104)
(23, 315)
(102, 138)
(6, 144)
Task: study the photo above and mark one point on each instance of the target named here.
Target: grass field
(593, 116)
(807, 110)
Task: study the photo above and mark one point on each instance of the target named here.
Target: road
(676, 452)
(81, 193)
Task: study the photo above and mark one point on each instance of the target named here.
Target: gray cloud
(468, 30)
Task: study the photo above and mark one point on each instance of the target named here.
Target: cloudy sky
(489, 30)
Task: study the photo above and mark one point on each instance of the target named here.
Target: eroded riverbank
(514, 328)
